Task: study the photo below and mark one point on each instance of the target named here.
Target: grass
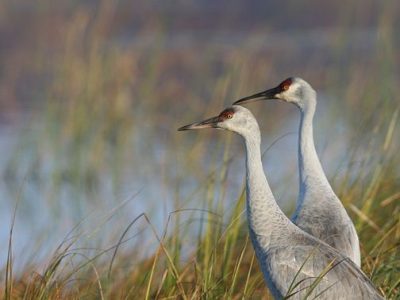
(106, 112)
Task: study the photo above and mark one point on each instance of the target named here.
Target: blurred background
(92, 92)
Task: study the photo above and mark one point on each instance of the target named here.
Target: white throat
(263, 213)
(312, 176)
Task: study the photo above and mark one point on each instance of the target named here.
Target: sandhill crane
(287, 254)
(318, 209)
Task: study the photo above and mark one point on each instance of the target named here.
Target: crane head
(213, 122)
(234, 118)
(293, 89)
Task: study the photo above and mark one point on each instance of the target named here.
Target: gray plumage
(318, 210)
(286, 253)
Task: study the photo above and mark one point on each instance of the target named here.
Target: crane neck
(312, 176)
(263, 213)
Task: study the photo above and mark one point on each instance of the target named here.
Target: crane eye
(285, 85)
(227, 114)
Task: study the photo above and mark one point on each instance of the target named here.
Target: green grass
(102, 106)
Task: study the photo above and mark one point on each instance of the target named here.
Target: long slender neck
(311, 173)
(263, 213)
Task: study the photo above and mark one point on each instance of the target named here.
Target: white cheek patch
(289, 94)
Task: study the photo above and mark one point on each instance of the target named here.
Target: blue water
(151, 182)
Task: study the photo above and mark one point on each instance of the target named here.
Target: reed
(105, 110)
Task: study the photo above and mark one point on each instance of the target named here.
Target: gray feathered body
(319, 211)
(330, 223)
(297, 260)
(288, 256)
(281, 247)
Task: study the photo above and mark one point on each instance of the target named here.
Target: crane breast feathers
(318, 271)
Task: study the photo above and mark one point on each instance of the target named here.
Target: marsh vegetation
(112, 202)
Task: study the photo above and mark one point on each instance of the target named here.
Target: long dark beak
(266, 95)
(209, 123)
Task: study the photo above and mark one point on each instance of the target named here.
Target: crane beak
(266, 95)
(209, 123)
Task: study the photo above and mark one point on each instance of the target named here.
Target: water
(57, 187)
(154, 180)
